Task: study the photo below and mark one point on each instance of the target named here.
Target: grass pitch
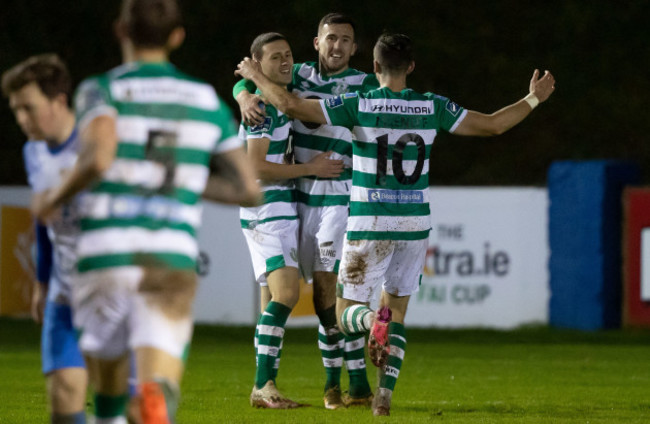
(534, 375)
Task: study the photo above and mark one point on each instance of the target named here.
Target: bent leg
(66, 389)
(161, 332)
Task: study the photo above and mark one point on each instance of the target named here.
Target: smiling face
(277, 62)
(335, 45)
(36, 114)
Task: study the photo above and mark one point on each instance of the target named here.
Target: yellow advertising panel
(16, 263)
(305, 305)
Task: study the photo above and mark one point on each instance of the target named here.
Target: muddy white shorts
(272, 245)
(116, 310)
(396, 265)
(322, 231)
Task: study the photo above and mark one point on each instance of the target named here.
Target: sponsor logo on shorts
(327, 249)
(395, 196)
(327, 253)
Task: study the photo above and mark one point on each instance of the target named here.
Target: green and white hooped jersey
(312, 139)
(146, 209)
(279, 195)
(394, 133)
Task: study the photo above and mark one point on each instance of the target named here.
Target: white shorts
(115, 313)
(272, 245)
(322, 231)
(395, 264)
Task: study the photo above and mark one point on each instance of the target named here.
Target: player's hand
(43, 207)
(542, 87)
(250, 106)
(248, 68)
(39, 296)
(324, 167)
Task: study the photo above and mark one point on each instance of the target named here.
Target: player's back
(394, 133)
(146, 209)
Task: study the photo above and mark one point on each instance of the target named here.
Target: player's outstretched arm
(98, 147)
(232, 179)
(480, 124)
(304, 109)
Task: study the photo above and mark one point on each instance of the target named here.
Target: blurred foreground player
(149, 135)
(39, 90)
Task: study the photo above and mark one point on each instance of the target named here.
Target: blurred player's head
(394, 54)
(38, 90)
(335, 43)
(151, 24)
(273, 52)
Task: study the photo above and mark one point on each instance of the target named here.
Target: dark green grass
(532, 375)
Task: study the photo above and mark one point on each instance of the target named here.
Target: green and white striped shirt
(394, 133)
(146, 209)
(279, 195)
(312, 139)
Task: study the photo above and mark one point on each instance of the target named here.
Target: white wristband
(532, 100)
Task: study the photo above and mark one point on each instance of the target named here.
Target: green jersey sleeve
(266, 128)
(93, 99)
(447, 113)
(342, 110)
(241, 85)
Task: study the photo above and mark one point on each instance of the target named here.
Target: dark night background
(481, 54)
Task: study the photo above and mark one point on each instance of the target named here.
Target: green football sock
(330, 344)
(107, 407)
(355, 362)
(270, 331)
(397, 340)
(356, 319)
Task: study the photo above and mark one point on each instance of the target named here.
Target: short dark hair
(394, 52)
(148, 23)
(263, 39)
(48, 71)
(336, 18)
